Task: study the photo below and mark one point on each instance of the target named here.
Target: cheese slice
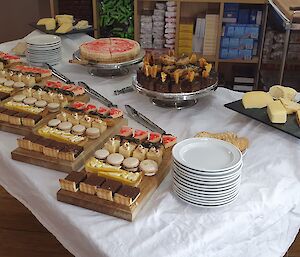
(298, 117)
(64, 28)
(49, 23)
(256, 99)
(276, 112)
(289, 105)
(282, 92)
(83, 24)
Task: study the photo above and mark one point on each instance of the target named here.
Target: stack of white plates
(43, 49)
(206, 172)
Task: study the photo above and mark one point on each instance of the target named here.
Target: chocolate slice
(76, 177)
(3, 96)
(10, 112)
(129, 191)
(21, 115)
(111, 185)
(94, 180)
(34, 117)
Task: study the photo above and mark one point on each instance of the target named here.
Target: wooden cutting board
(90, 147)
(148, 186)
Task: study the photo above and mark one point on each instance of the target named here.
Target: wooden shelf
(224, 1)
(253, 60)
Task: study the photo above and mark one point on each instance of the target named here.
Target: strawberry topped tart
(110, 50)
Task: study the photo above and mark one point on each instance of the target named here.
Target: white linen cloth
(263, 221)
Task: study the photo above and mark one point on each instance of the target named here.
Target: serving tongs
(57, 74)
(124, 90)
(97, 95)
(143, 120)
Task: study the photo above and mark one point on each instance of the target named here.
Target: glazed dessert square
(72, 181)
(24, 143)
(4, 116)
(127, 195)
(31, 120)
(91, 184)
(107, 189)
(70, 152)
(17, 118)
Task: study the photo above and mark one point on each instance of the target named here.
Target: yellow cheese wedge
(256, 99)
(282, 92)
(276, 112)
(64, 28)
(48, 22)
(298, 117)
(289, 105)
(83, 24)
(64, 18)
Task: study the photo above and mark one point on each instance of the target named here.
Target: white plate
(204, 205)
(208, 176)
(206, 200)
(207, 154)
(206, 194)
(198, 201)
(43, 40)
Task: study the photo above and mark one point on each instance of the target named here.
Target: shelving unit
(191, 9)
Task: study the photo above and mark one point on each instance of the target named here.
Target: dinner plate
(205, 193)
(45, 40)
(206, 202)
(207, 154)
(204, 205)
(207, 176)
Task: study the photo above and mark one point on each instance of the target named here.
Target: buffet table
(264, 219)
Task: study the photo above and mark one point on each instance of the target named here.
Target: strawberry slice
(154, 137)
(126, 131)
(78, 105)
(90, 108)
(115, 113)
(168, 140)
(140, 134)
(103, 110)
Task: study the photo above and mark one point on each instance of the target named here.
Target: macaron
(29, 100)
(78, 129)
(9, 83)
(2, 80)
(19, 98)
(149, 167)
(65, 126)
(92, 133)
(115, 159)
(131, 164)
(53, 107)
(101, 154)
(19, 84)
(41, 103)
(54, 122)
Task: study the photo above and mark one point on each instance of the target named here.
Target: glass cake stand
(109, 69)
(175, 100)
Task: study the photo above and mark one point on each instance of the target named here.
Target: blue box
(252, 18)
(244, 15)
(224, 53)
(239, 31)
(225, 42)
(233, 53)
(229, 30)
(231, 7)
(245, 54)
(246, 43)
(234, 43)
(252, 31)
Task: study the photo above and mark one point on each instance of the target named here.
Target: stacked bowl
(43, 49)
(206, 172)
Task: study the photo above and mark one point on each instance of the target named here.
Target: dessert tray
(100, 69)
(64, 140)
(176, 100)
(120, 188)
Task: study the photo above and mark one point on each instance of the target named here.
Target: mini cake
(31, 120)
(16, 119)
(126, 131)
(101, 154)
(140, 152)
(72, 181)
(100, 124)
(127, 148)
(86, 121)
(115, 159)
(127, 195)
(131, 164)
(154, 137)
(93, 133)
(155, 154)
(91, 184)
(112, 145)
(108, 189)
(149, 167)
(140, 134)
(168, 140)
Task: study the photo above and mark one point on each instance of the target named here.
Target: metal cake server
(140, 118)
(94, 93)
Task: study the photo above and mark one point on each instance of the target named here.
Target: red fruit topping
(90, 107)
(103, 110)
(125, 131)
(154, 137)
(78, 105)
(138, 133)
(168, 140)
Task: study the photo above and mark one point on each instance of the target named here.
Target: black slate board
(290, 127)
(52, 32)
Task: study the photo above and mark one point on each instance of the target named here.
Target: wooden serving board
(90, 147)
(148, 186)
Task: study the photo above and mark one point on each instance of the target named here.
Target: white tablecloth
(263, 221)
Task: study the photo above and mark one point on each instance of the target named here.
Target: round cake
(110, 50)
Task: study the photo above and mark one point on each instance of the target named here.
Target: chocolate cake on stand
(175, 82)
